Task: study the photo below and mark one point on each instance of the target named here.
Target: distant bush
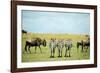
(86, 35)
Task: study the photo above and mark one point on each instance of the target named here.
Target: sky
(55, 22)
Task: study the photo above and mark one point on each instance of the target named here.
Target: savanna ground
(45, 55)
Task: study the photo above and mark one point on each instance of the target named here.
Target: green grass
(45, 56)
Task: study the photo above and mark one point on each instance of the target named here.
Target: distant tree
(86, 35)
(24, 31)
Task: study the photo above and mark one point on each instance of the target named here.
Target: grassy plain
(45, 56)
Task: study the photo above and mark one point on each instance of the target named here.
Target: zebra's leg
(66, 52)
(58, 52)
(61, 52)
(69, 52)
(53, 52)
(40, 49)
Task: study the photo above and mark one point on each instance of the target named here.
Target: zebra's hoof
(59, 56)
(51, 56)
(67, 56)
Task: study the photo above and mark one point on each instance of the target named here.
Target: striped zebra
(52, 46)
(60, 46)
(68, 46)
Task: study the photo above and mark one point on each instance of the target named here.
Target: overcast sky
(55, 22)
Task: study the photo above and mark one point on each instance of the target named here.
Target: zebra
(60, 46)
(52, 45)
(68, 46)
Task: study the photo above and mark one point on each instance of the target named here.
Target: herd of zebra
(68, 44)
(59, 44)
